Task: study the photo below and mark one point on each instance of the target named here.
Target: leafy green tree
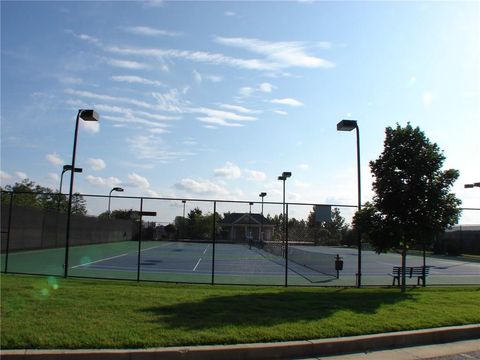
(412, 202)
(29, 194)
(123, 214)
(327, 232)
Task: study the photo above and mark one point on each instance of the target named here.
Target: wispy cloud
(201, 187)
(170, 101)
(303, 166)
(228, 171)
(103, 182)
(96, 164)
(287, 101)
(21, 175)
(103, 97)
(280, 112)
(148, 31)
(281, 54)
(229, 13)
(249, 90)
(127, 64)
(85, 37)
(254, 175)
(5, 176)
(153, 148)
(138, 181)
(132, 79)
(54, 159)
(200, 77)
(92, 127)
(221, 117)
(239, 109)
(197, 56)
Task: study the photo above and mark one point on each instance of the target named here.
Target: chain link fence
(215, 242)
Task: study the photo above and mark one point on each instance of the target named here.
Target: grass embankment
(39, 312)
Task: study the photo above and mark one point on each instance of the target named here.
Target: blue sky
(216, 99)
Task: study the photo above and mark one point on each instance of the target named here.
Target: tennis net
(313, 260)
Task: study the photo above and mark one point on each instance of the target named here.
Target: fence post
(8, 230)
(286, 246)
(214, 241)
(139, 239)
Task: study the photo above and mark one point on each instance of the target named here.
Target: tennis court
(226, 263)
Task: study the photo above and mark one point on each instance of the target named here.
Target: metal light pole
(349, 125)
(250, 237)
(285, 175)
(86, 115)
(119, 189)
(470, 186)
(262, 195)
(65, 169)
(183, 220)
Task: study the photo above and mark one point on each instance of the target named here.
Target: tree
(29, 194)
(412, 202)
(328, 233)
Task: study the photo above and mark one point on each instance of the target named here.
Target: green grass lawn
(44, 313)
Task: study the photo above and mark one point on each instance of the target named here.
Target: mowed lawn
(46, 313)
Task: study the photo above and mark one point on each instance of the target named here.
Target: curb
(281, 350)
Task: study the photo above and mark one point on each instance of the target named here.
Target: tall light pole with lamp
(249, 233)
(119, 189)
(65, 169)
(183, 219)
(349, 125)
(262, 195)
(285, 175)
(86, 115)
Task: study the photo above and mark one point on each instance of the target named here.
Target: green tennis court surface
(196, 262)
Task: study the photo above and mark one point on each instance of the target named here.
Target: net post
(139, 239)
(213, 241)
(286, 246)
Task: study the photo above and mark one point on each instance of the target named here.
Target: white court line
(96, 261)
(206, 248)
(112, 257)
(195, 268)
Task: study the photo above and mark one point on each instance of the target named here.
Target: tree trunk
(404, 265)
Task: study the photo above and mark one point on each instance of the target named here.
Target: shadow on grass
(267, 309)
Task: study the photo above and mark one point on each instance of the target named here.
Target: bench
(410, 272)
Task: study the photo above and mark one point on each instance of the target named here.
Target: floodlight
(89, 115)
(347, 125)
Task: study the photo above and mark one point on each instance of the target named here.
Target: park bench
(410, 272)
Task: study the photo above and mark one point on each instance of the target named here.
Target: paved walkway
(460, 350)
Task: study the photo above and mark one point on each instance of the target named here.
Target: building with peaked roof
(241, 227)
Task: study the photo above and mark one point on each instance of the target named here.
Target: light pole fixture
(86, 115)
(285, 175)
(349, 125)
(250, 236)
(262, 195)
(471, 186)
(65, 169)
(183, 220)
(119, 189)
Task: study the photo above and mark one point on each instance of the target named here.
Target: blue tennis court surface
(196, 262)
(239, 263)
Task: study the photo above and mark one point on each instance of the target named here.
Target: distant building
(240, 227)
